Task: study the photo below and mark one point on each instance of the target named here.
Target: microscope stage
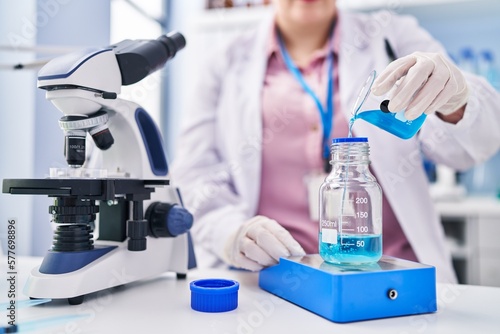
(99, 189)
(345, 293)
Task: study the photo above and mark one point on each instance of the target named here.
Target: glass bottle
(350, 208)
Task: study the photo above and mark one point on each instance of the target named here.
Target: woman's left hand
(426, 83)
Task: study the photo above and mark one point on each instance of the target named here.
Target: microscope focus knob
(137, 230)
(168, 220)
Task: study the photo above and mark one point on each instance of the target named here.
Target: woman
(255, 132)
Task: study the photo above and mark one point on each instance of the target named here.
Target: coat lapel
(251, 68)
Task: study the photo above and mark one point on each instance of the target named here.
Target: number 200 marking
(361, 200)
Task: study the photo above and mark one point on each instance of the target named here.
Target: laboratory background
(34, 31)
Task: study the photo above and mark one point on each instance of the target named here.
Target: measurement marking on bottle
(348, 229)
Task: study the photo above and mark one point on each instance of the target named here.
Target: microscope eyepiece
(173, 42)
(139, 58)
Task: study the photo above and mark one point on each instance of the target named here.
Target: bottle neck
(350, 154)
(351, 161)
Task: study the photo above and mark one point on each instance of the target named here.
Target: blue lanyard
(326, 113)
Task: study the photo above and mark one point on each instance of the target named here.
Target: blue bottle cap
(214, 295)
(350, 140)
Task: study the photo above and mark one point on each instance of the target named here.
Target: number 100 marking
(362, 229)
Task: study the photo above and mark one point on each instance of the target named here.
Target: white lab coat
(218, 158)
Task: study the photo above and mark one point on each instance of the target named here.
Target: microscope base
(117, 267)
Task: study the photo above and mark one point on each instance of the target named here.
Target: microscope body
(128, 223)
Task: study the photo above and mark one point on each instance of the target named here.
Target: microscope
(117, 218)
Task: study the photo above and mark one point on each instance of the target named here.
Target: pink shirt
(291, 148)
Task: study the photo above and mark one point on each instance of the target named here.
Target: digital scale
(345, 293)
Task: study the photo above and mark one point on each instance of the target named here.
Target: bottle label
(329, 236)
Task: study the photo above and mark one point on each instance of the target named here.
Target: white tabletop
(162, 304)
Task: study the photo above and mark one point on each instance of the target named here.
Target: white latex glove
(425, 83)
(259, 243)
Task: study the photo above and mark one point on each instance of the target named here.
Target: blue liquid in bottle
(352, 249)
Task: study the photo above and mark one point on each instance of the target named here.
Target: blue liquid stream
(352, 249)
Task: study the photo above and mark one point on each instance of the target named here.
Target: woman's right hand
(259, 243)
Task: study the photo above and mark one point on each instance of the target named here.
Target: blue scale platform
(345, 293)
